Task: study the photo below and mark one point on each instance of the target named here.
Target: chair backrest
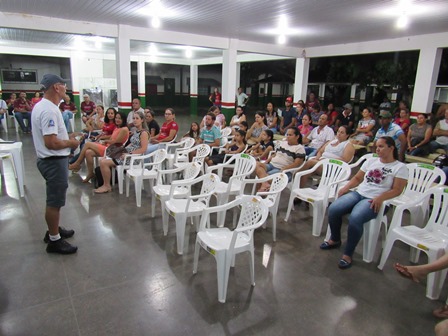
(188, 142)
(362, 159)
(422, 177)
(332, 171)
(148, 161)
(243, 165)
(278, 183)
(202, 151)
(209, 184)
(253, 214)
(225, 132)
(438, 219)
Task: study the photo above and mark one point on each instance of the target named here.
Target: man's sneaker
(61, 246)
(63, 232)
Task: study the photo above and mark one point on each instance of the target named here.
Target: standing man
(136, 107)
(241, 99)
(53, 145)
(87, 108)
(22, 110)
(289, 116)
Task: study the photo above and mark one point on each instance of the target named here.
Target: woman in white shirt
(379, 179)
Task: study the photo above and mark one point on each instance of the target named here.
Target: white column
(426, 79)
(194, 90)
(301, 78)
(141, 79)
(123, 52)
(229, 80)
(238, 75)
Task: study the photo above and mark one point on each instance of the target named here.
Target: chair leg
(181, 221)
(221, 199)
(138, 191)
(120, 172)
(434, 284)
(318, 217)
(222, 270)
(371, 233)
(414, 255)
(274, 226)
(197, 248)
(387, 248)
(290, 205)
(165, 222)
(127, 184)
(252, 265)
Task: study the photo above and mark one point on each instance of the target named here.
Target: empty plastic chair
(224, 244)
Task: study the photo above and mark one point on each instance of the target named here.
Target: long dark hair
(390, 142)
(191, 132)
(243, 134)
(262, 114)
(296, 133)
(106, 118)
(124, 118)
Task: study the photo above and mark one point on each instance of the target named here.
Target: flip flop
(441, 312)
(101, 191)
(403, 271)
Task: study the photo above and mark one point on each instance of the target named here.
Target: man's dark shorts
(55, 172)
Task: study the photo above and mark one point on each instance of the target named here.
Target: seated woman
(403, 120)
(237, 118)
(108, 125)
(96, 121)
(137, 145)
(290, 154)
(339, 148)
(153, 126)
(254, 132)
(97, 149)
(419, 137)
(193, 132)
(363, 134)
(379, 179)
(167, 133)
(305, 128)
(264, 147)
(272, 118)
(236, 146)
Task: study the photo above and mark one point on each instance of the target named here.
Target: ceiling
(307, 23)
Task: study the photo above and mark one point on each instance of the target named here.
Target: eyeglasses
(64, 85)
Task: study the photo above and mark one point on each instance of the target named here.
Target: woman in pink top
(37, 98)
(306, 127)
(403, 120)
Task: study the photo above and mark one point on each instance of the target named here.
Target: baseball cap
(289, 99)
(348, 106)
(385, 114)
(50, 79)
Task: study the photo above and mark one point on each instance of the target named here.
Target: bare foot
(413, 273)
(74, 166)
(102, 190)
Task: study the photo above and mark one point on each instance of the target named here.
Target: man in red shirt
(22, 110)
(87, 108)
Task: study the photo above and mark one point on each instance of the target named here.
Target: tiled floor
(127, 278)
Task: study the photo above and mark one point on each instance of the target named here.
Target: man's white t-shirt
(46, 119)
(379, 177)
(319, 139)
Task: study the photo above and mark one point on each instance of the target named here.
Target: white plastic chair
(181, 158)
(120, 171)
(222, 144)
(271, 198)
(421, 177)
(189, 172)
(431, 239)
(333, 172)
(4, 121)
(139, 170)
(172, 148)
(243, 165)
(190, 206)
(225, 244)
(7, 156)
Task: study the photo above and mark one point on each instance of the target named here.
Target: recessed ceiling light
(402, 22)
(155, 22)
(281, 39)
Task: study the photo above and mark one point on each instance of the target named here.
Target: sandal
(74, 167)
(88, 178)
(441, 312)
(102, 190)
(404, 272)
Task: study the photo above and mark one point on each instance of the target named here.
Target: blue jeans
(360, 212)
(25, 115)
(310, 151)
(435, 145)
(67, 115)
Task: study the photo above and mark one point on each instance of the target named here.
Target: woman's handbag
(115, 152)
